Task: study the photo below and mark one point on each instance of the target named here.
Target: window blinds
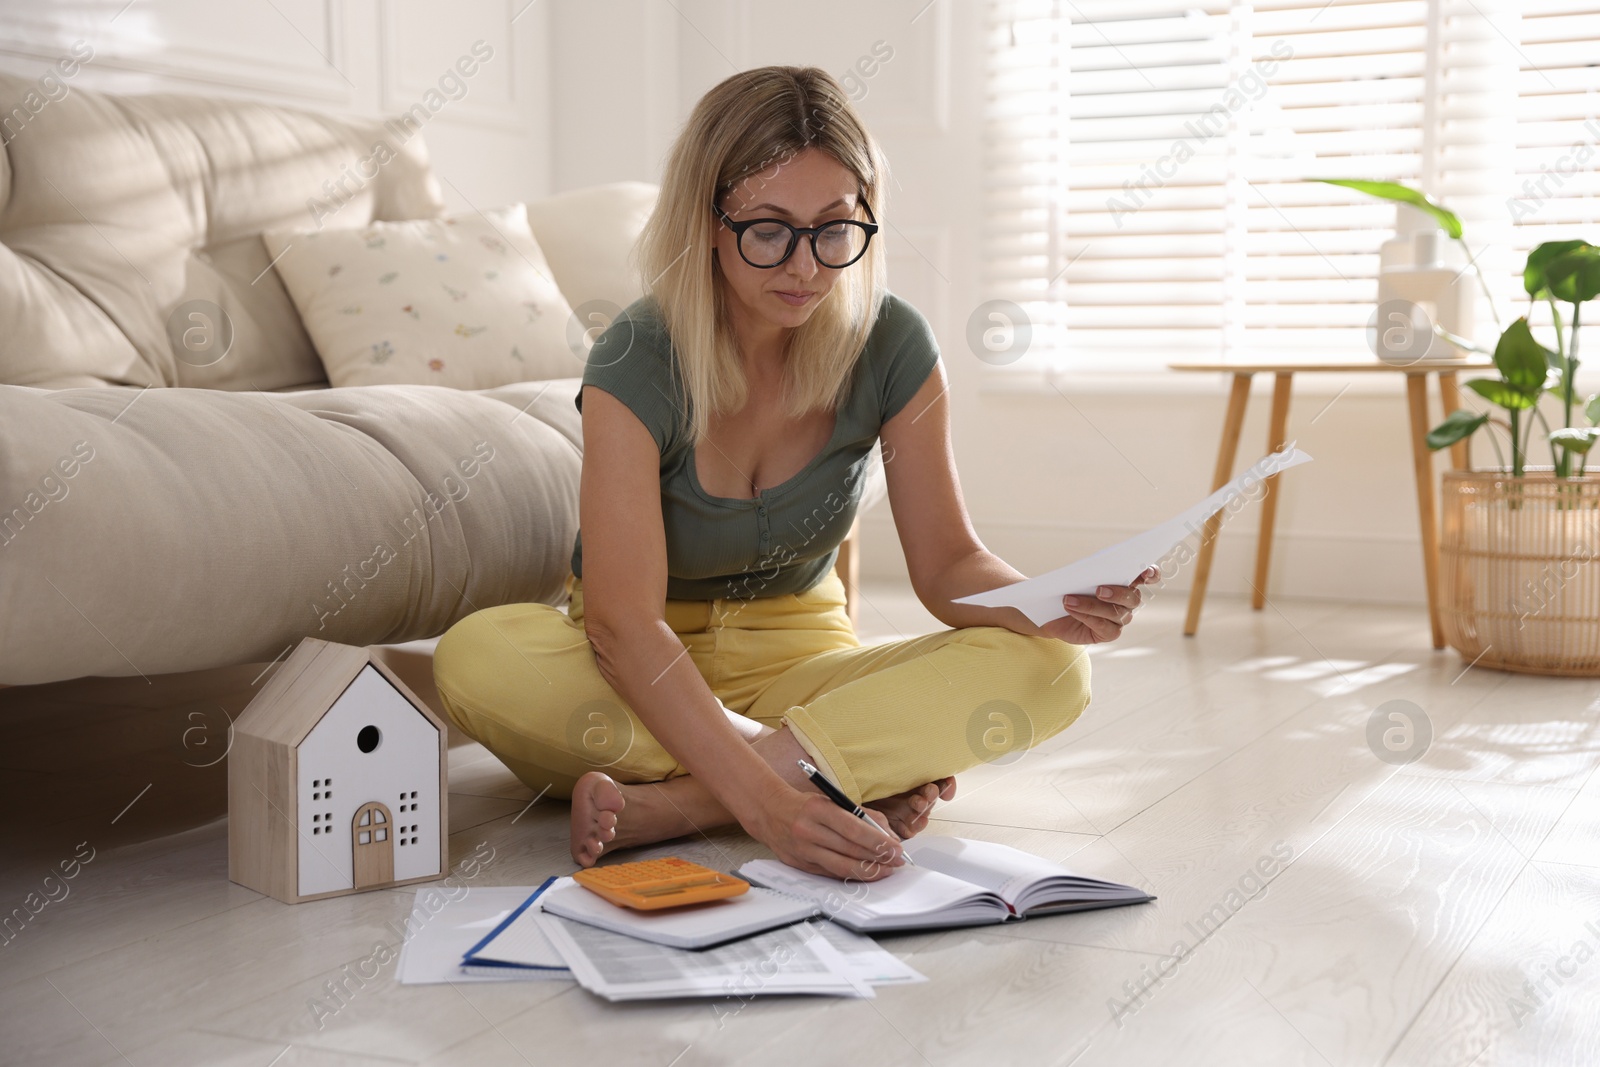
(1146, 161)
(1097, 228)
(1556, 193)
(1348, 102)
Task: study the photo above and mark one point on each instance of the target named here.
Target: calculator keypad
(659, 883)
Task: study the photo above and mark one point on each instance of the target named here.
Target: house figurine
(336, 780)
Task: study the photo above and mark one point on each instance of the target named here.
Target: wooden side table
(1277, 436)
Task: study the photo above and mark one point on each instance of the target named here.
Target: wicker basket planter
(1519, 581)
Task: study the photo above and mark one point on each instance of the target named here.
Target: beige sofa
(157, 516)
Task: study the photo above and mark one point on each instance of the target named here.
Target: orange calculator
(649, 885)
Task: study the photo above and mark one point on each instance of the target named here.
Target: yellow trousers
(878, 719)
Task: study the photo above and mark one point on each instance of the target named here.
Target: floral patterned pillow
(466, 301)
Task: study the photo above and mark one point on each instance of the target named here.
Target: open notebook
(957, 882)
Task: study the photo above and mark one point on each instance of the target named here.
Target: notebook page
(1000, 869)
(1019, 878)
(906, 893)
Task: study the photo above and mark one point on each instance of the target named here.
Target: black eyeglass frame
(795, 233)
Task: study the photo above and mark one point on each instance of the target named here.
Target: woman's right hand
(812, 833)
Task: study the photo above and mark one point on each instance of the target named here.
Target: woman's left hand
(1091, 620)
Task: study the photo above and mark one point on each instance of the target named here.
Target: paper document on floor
(868, 960)
(801, 958)
(438, 937)
(516, 944)
(1040, 598)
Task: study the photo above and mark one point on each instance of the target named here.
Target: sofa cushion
(158, 530)
(588, 235)
(465, 301)
(119, 214)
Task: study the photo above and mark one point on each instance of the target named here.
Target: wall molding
(395, 96)
(35, 39)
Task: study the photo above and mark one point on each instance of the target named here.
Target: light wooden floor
(1416, 902)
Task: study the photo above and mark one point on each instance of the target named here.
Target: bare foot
(597, 804)
(656, 811)
(908, 812)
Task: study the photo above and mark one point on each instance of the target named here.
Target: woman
(728, 417)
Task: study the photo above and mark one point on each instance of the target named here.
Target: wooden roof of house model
(314, 676)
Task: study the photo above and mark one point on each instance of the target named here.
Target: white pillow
(466, 301)
(588, 235)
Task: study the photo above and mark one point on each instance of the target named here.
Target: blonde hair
(747, 124)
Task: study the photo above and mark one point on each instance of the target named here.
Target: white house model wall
(337, 776)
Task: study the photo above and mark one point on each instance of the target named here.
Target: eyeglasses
(768, 243)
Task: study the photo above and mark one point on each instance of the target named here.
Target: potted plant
(1518, 590)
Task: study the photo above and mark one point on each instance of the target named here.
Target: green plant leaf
(1575, 439)
(1458, 424)
(1522, 361)
(1505, 394)
(1533, 277)
(1592, 409)
(1574, 276)
(1402, 194)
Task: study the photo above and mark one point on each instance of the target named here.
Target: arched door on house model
(372, 845)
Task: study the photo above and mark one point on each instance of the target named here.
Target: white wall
(582, 92)
(490, 144)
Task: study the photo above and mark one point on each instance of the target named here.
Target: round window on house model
(368, 737)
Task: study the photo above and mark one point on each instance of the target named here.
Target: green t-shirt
(784, 539)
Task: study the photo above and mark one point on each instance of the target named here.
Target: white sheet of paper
(790, 959)
(432, 954)
(867, 960)
(1040, 598)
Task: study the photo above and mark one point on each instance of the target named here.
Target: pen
(835, 794)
